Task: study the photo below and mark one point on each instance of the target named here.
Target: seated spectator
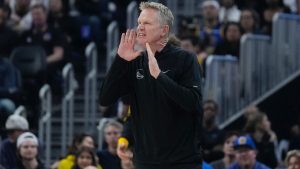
(259, 127)
(194, 45)
(231, 43)
(229, 155)
(108, 157)
(15, 126)
(272, 7)
(7, 35)
(82, 140)
(9, 89)
(249, 21)
(245, 154)
(52, 40)
(212, 135)
(85, 157)
(27, 151)
(210, 32)
(292, 160)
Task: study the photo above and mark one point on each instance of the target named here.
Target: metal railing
(132, 15)
(45, 121)
(90, 87)
(285, 45)
(266, 65)
(68, 107)
(221, 84)
(113, 36)
(254, 66)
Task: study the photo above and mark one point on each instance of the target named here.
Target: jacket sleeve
(116, 83)
(187, 91)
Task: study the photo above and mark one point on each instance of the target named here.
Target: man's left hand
(153, 66)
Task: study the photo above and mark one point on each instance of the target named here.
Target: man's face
(228, 145)
(247, 20)
(294, 163)
(187, 45)
(233, 33)
(210, 12)
(149, 28)
(28, 150)
(245, 156)
(210, 111)
(39, 17)
(112, 135)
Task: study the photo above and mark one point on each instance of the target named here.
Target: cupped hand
(126, 47)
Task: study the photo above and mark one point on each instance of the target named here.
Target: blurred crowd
(63, 28)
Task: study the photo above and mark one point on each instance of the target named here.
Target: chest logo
(139, 74)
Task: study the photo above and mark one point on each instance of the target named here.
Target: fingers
(123, 38)
(129, 36)
(149, 51)
(122, 152)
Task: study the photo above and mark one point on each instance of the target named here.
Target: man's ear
(166, 30)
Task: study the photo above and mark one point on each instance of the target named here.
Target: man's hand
(126, 46)
(122, 150)
(153, 66)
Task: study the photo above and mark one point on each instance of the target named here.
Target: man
(15, 126)
(212, 134)
(245, 154)
(52, 41)
(108, 157)
(164, 85)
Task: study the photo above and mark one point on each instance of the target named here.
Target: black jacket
(166, 115)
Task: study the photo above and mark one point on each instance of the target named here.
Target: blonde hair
(165, 14)
(290, 154)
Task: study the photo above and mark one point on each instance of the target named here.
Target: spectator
(259, 127)
(229, 12)
(27, 151)
(53, 42)
(212, 135)
(15, 126)
(82, 140)
(9, 88)
(210, 32)
(85, 157)
(245, 154)
(229, 155)
(292, 160)
(231, 43)
(273, 7)
(7, 35)
(108, 158)
(60, 20)
(194, 45)
(249, 21)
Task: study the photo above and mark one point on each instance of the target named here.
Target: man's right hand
(126, 47)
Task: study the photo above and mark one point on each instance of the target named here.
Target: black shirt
(108, 160)
(166, 112)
